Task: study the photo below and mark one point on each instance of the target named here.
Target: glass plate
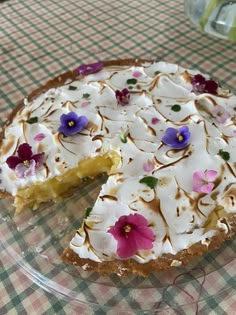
(35, 240)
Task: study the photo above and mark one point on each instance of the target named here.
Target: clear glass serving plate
(35, 240)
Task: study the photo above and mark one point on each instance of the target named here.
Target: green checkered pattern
(43, 38)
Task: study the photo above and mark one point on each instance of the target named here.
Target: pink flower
(137, 74)
(148, 166)
(25, 163)
(132, 233)
(123, 96)
(204, 181)
(201, 85)
(220, 114)
(39, 137)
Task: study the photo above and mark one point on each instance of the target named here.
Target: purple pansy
(132, 233)
(89, 68)
(25, 163)
(176, 138)
(71, 123)
(123, 96)
(201, 85)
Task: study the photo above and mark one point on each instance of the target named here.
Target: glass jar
(217, 17)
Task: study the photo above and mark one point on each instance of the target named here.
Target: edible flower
(220, 114)
(25, 163)
(148, 166)
(201, 85)
(204, 181)
(123, 96)
(132, 233)
(71, 123)
(176, 138)
(89, 68)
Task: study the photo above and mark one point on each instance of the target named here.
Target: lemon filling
(54, 188)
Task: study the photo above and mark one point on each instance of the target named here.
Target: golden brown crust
(164, 262)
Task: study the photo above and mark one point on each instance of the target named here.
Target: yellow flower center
(127, 228)
(71, 123)
(180, 137)
(26, 163)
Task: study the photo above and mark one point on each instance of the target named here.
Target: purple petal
(13, 161)
(20, 170)
(30, 171)
(211, 87)
(37, 157)
(170, 136)
(24, 152)
(65, 118)
(82, 122)
(89, 68)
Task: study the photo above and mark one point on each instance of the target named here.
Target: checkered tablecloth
(43, 38)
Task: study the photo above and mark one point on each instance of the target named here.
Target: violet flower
(132, 233)
(204, 181)
(176, 138)
(123, 96)
(25, 163)
(71, 123)
(220, 114)
(201, 85)
(89, 68)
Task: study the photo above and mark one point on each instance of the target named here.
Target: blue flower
(176, 138)
(71, 123)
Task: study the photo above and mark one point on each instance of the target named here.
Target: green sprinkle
(131, 81)
(87, 212)
(32, 120)
(157, 72)
(72, 88)
(130, 87)
(176, 108)
(124, 135)
(150, 181)
(86, 96)
(224, 154)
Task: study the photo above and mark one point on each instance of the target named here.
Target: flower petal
(148, 166)
(85, 69)
(39, 137)
(24, 152)
(20, 170)
(207, 188)
(13, 161)
(82, 122)
(144, 237)
(198, 180)
(169, 137)
(37, 157)
(126, 248)
(210, 175)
